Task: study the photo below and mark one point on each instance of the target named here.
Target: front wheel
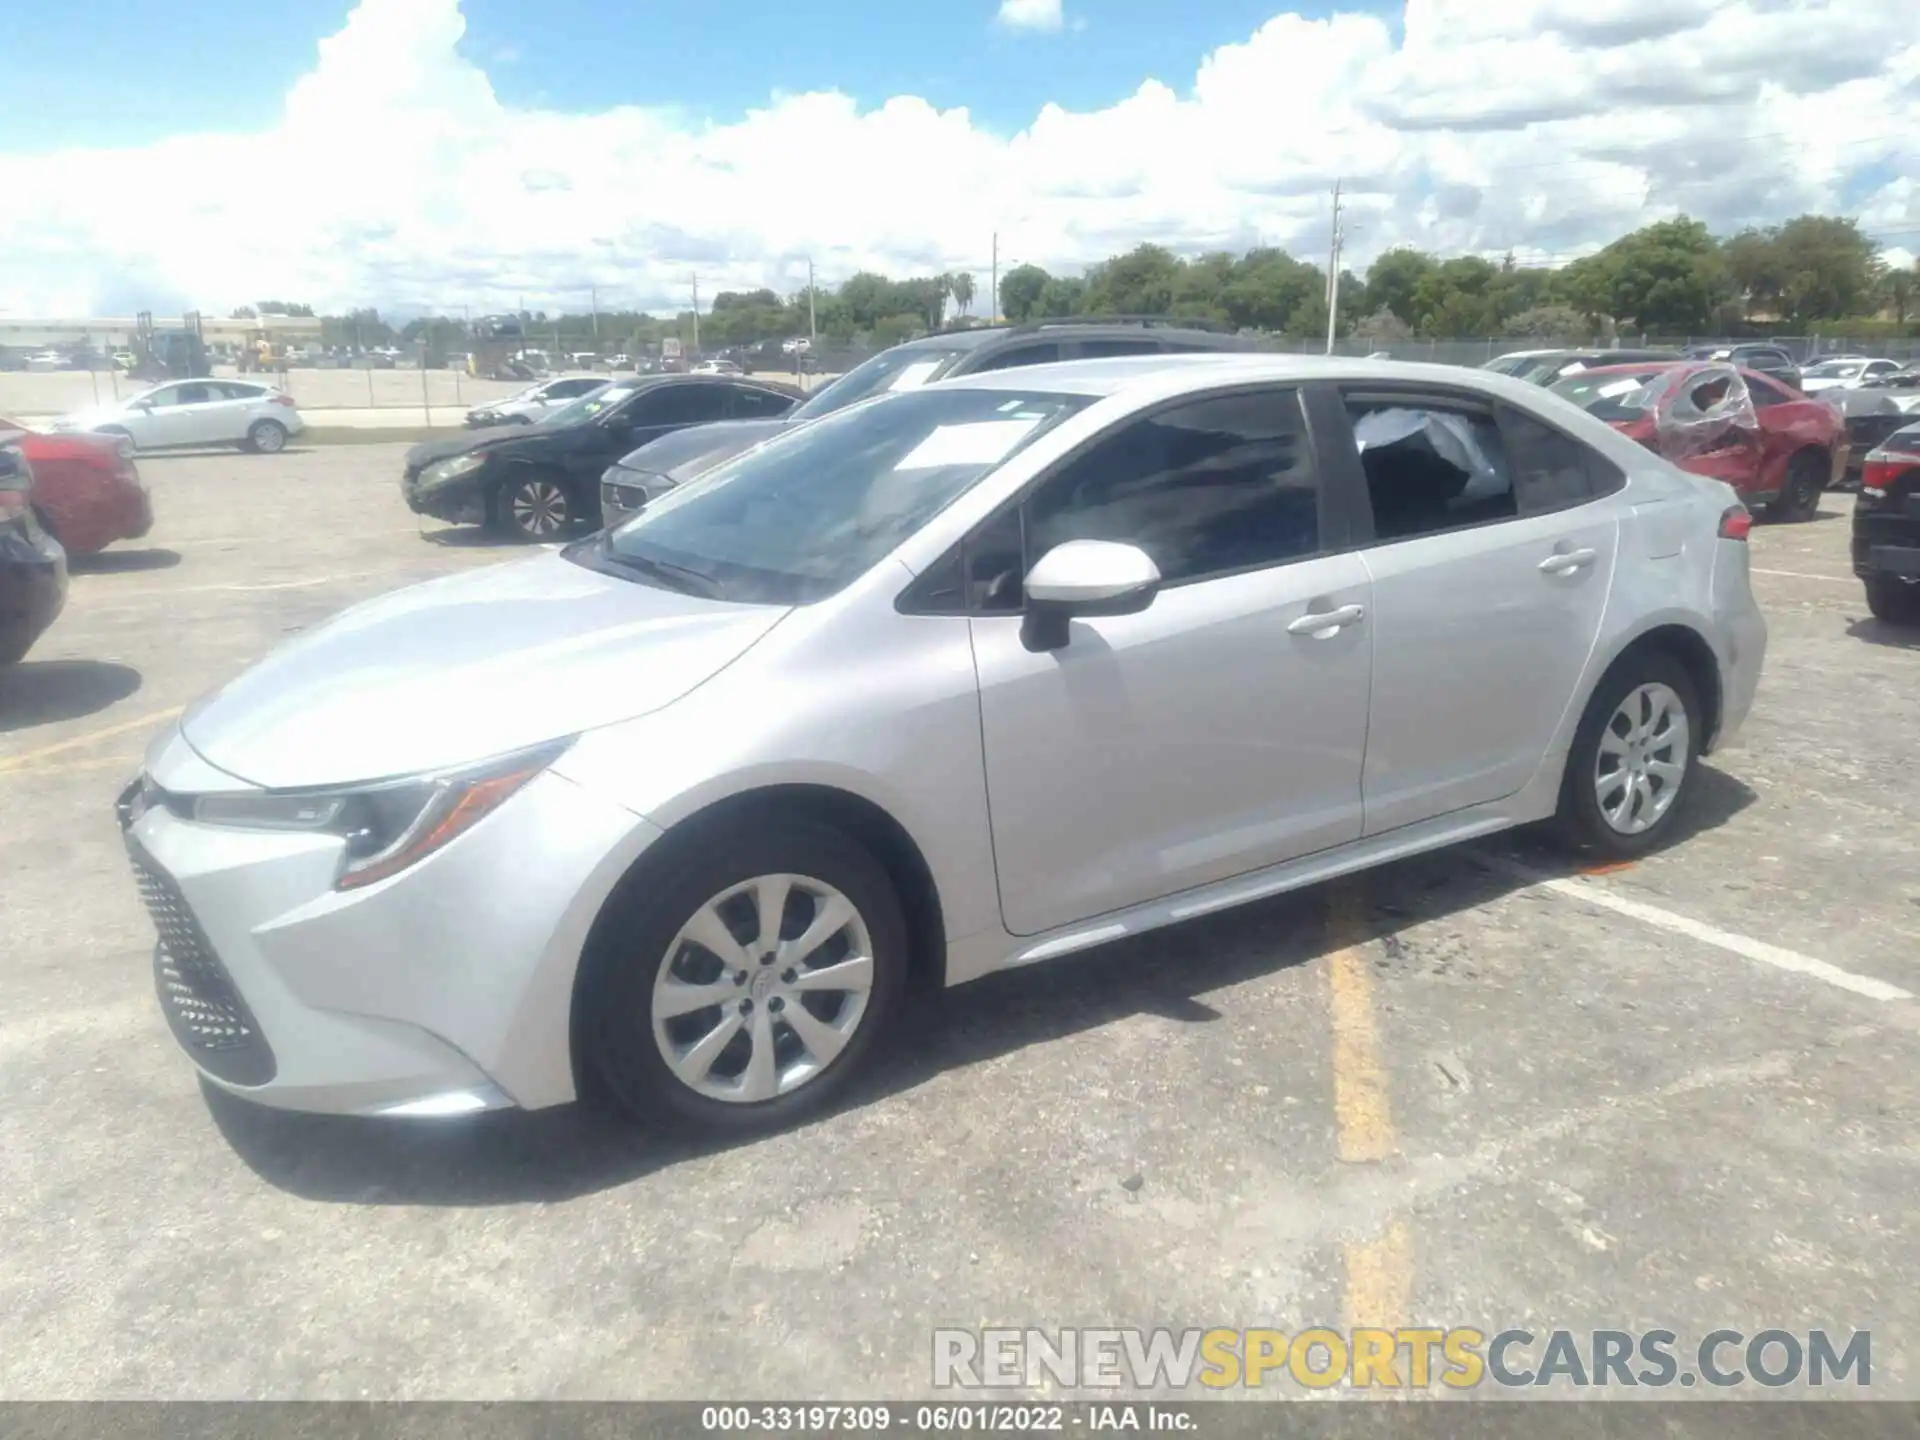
(749, 981)
(1633, 758)
(266, 437)
(1894, 602)
(535, 509)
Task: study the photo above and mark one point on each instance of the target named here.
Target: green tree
(1062, 295)
(1548, 322)
(245, 312)
(1393, 280)
(1020, 291)
(1457, 298)
(1828, 268)
(1269, 289)
(1897, 289)
(1141, 282)
(1669, 276)
(963, 292)
(1754, 263)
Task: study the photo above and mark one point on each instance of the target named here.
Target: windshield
(809, 512)
(1835, 370)
(588, 405)
(1511, 364)
(1608, 397)
(901, 368)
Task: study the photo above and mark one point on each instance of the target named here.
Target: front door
(1219, 731)
(1492, 558)
(200, 415)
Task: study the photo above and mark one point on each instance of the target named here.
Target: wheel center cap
(764, 984)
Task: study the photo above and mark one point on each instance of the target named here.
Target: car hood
(683, 454)
(428, 451)
(465, 668)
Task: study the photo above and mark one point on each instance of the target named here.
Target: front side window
(596, 402)
(194, 395)
(1013, 358)
(901, 368)
(1205, 488)
(816, 507)
(1431, 467)
(164, 398)
(691, 404)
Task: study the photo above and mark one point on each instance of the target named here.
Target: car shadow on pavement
(471, 537)
(1879, 632)
(516, 1157)
(120, 562)
(43, 692)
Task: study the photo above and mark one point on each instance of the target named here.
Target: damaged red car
(86, 488)
(1779, 448)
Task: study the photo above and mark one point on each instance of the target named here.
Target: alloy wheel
(539, 509)
(762, 988)
(269, 439)
(1642, 759)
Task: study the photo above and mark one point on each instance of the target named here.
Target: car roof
(1072, 328)
(1175, 373)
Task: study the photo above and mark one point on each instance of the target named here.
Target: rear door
(238, 406)
(1491, 554)
(202, 416)
(1789, 423)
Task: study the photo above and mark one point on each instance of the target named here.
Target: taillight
(1736, 522)
(286, 400)
(1880, 472)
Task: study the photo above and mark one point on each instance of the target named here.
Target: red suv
(1777, 447)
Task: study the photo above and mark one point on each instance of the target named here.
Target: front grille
(203, 1009)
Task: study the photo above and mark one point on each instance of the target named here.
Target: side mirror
(1085, 578)
(12, 463)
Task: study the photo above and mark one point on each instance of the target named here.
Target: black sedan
(536, 482)
(1886, 528)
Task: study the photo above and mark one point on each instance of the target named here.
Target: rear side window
(752, 404)
(1553, 471)
(681, 405)
(237, 392)
(1205, 488)
(1103, 349)
(1431, 467)
(1014, 356)
(1766, 393)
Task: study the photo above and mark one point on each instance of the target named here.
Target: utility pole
(593, 299)
(1333, 272)
(813, 336)
(696, 314)
(993, 317)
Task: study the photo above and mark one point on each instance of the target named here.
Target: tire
(1894, 602)
(266, 437)
(1609, 829)
(535, 508)
(1807, 475)
(645, 950)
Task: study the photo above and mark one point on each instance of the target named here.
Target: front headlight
(441, 471)
(389, 826)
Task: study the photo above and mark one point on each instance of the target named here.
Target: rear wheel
(748, 981)
(535, 508)
(1633, 758)
(1896, 602)
(1807, 476)
(266, 437)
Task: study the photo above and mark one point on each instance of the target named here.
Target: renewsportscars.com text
(1460, 1358)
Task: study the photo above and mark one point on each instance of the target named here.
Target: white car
(45, 362)
(535, 403)
(717, 367)
(1844, 373)
(197, 412)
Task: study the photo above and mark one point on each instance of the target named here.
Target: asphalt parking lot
(1482, 1088)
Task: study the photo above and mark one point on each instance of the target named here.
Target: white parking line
(1803, 575)
(1758, 951)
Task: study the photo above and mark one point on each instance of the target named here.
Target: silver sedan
(957, 679)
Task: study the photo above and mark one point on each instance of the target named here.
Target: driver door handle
(1564, 561)
(1324, 624)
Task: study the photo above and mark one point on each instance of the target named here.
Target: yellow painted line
(1360, 1100)
(1380, 1279)
(1379, 1270)
(26, 758)
(119, 759)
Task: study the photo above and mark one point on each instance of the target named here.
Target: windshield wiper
(683, 578)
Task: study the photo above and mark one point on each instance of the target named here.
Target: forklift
(170, 354)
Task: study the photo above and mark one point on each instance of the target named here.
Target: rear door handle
(1323, 624)
(1563, 561)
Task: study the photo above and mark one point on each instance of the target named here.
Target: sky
(440, 154)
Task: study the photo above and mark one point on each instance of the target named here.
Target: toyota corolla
(960, 678)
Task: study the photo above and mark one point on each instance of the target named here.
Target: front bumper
(447, 988)
(461, 503)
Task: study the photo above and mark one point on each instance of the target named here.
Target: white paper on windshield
(984, 442)
(1618, 387)
(915, 375)
(1574, 369)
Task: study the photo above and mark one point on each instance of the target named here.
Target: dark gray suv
(675, 459)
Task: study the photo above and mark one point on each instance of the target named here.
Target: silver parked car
(956, 679)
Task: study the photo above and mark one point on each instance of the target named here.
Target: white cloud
(396, 176)
(1031, 14)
